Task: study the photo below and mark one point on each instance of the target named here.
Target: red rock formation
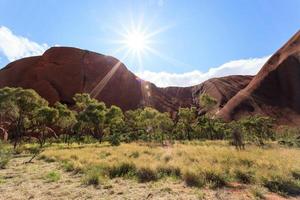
(274, 91)
(62, 71)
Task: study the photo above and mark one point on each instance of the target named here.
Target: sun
(136, 41)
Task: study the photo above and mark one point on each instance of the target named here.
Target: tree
(82, 101)
(213, 129)
(44, 119)
(91, 116)
(133, 129)
(148, 122)
(18, 107)
(207, 101)
(115, 124)
(66, 120)
(187, 120)
(164, 126)
(257, 128)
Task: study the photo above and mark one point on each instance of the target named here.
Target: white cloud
(237, 67)
(14, 47)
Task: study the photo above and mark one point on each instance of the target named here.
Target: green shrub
(5, 157)
(91, 179)
(4, 161)
(114, 139)
(163, 171)
(92, 176)
(134, 154)
(215, 179)
(296, 175)
(283, 186)
(192, 179)
(244, 176)
(257, 192)
(67, 166)
(52, 176)
(246, 162)
(122, 170)
(146, 174)
(104, 154)
(19, 149)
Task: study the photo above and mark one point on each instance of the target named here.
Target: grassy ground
(42, 180)
(210, 164)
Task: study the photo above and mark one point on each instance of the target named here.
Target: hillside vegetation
(101, 143)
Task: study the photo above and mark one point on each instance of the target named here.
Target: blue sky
(198, 36)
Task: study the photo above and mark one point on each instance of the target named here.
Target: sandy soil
(27, 181)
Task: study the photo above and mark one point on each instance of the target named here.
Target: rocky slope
(63, 71)
(274, 91)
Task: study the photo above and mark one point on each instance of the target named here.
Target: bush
(5, 157)
(283, 186)
(168, 171)
(258, 192)
(114, 140)
(4, 161)
(192, 179)
(67, 166)
(135, 154)
(122, 170)
(246, 177)
(92, 176)
(52, 176)
(296, 175)
(146, 175)
(215, 179)
(91, 179)
(19, 150)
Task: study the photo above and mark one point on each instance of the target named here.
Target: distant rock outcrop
(274, 91)
(63, 71)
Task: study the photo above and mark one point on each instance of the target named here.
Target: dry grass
(212, 163)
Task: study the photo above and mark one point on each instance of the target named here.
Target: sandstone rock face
(274, 91)
(62, 72)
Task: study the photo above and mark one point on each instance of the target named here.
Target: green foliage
(215, 179)
(146, 174)
(207, 101)
(283, 186)
(5, 155)
(122, 170)
(288, 136)
(163, 171)
(67, 118)
(213, 129)
(187, 120)
(91, 120)
(257, 129)
(67, 166)
(92, 176)
(258, 192)
(91, 117)
(193, 179)
(52, 176)
(245, 176)
(147, 124)
(115, 125)
(19, 107)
